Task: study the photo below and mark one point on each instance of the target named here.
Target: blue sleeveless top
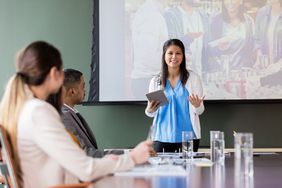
(174, 117)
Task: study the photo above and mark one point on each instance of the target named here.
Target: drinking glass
(217, 145)
(187, 144)
(243, 144)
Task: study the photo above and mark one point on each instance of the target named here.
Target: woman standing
(43, 152)
(184, 90)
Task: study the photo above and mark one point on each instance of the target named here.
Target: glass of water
(243, 144)
(217, 145)
(187, 144)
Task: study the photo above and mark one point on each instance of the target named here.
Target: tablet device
(157, 96)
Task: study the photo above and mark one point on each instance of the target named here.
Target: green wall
(68, 25)
(65, 23)
(125, 125)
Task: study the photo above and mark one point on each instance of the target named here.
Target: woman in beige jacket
(43, 151)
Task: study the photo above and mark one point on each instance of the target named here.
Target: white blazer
(194, 86)
(48, 155)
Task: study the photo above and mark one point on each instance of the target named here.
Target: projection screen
(235, 46)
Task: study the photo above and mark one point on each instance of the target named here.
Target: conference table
(267, 173)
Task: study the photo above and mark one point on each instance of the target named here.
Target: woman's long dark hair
(184, 74)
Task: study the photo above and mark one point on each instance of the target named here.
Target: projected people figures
(230, 49)
(268, 33)
(190, 24)
(149, 32)
(223, 46)
(232, 36)
(184, 91)
(268, 43)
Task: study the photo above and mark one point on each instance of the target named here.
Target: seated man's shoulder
(66, 111)
(66, 114)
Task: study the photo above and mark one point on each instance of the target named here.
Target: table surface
(267, 174)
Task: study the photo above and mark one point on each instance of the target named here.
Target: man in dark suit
(73, 94)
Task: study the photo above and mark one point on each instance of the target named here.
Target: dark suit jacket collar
(70, 108)
(73, 114)
(86, 129)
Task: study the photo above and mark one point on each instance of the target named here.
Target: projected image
(234, 45)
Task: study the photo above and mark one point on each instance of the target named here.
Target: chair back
(7, 165)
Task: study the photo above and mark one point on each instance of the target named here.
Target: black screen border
(94, 89)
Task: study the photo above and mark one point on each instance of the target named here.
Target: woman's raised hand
(195, 100)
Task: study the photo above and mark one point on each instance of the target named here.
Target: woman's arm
(195, 88)
(152, 107)
(51, 137)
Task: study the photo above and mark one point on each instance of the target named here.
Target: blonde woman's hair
(33, 65)
(16, 93)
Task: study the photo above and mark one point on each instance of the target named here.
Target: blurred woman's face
(57, 80)
(232, 6)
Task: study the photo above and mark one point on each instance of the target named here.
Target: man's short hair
(72, 77)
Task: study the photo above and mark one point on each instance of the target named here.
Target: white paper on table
(179, 154)
(203, 162)
(154, 170)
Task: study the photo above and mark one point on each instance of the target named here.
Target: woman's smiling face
(173, 56)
